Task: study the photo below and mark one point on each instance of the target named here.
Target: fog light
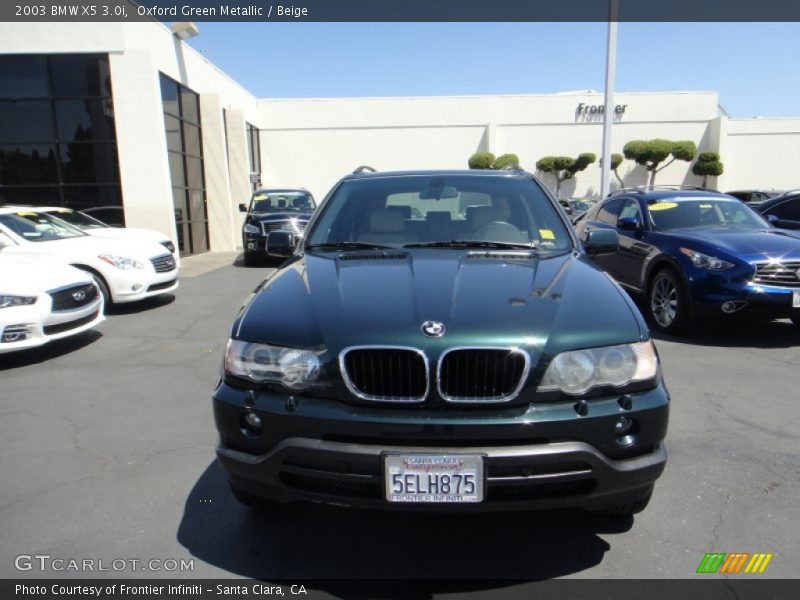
(251, 245)
(252, 422)
(623, 426)
(17, 333)
(137, 287)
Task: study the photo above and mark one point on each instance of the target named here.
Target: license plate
(796, 299)
(432, 478)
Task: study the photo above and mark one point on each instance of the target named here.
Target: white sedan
(97, 228)
(41, 301)
(125, 271)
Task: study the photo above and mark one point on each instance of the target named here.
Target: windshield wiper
(348, 246)
(473, 244)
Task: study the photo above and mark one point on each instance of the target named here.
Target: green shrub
(481, 160)
(506, 160)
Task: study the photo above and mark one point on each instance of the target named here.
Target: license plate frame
(416, 471)
(796, 299)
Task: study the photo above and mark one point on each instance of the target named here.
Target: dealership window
(185, 156)
(57, 139)
(254, 153)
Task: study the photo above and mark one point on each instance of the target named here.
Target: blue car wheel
(667, 302)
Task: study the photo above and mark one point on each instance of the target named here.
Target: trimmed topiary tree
(506, 160)
(708, 163)
(481, 160)
(651, 153)
(564, 167)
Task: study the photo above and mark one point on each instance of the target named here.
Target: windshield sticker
(706, 206)
(260, 197)
(26, 214)
(546, 234)
(663, 206)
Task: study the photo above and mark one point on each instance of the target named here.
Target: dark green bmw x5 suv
(441, 340)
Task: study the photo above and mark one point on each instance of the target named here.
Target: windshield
(79, 220)
(682, 213)
(450, 210)
(39, 227)
(281, 201)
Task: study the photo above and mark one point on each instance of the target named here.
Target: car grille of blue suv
(778, 273)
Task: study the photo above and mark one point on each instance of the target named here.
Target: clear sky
(753, 66)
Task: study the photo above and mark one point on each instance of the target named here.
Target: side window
(787, 211)
(609, 212)
(631, 209)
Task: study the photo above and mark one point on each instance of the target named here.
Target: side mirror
(601, 241)
(280, 244)
(629, 224)
(773, 219)
(243, 208)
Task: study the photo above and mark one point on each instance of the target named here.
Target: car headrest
(405, 211)
(483, 215)
(386, 221)
(438, 216)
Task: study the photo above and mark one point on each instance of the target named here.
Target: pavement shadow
(54, 349)
(332, 545)
(266, 262)
(132, 308)
(737, 332)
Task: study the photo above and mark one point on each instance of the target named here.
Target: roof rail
(364, 169)
(641, 189)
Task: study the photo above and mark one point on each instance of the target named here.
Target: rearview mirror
(243, 208)
(601, 241)
(280, 244)
(438, 192)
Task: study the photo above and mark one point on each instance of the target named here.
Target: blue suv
(695, 252)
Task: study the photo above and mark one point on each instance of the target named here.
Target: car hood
(382, 298)
(128, 233)
(753, 244)
(32, 277)
(278, 216)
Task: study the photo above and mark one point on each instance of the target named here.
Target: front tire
(668, 302)
(249, 260)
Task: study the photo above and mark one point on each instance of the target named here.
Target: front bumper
(536, 457)
(41, 326)
(746, 296)
(134, 285)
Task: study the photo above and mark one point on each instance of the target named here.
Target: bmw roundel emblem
(433, 328)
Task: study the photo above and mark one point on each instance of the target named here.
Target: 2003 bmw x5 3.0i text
(441, 340)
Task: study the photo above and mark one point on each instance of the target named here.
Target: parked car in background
(754, 196)
(694, 253)
(41, 301)
(441, 339)
(782, 211)
(88, 224)
(124, 270)
(273, 210)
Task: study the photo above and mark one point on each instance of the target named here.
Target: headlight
(6, 300)
(121, 262)
(251, 229)
(169, 246)
(578, 371)
(294, 368)
(706, 261)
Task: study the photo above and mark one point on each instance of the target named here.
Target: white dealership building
(126, 117)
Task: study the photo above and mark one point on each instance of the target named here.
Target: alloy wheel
(664, 301)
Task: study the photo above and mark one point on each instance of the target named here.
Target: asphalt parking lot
(107, 451)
